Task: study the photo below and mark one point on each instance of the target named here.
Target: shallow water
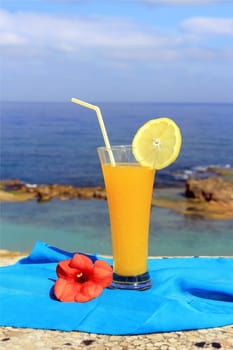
(56, 143)
(83, 225)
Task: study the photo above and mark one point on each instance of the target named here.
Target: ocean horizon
(44, 143)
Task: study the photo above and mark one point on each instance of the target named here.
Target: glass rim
(115, 147)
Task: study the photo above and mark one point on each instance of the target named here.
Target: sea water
(44, 143)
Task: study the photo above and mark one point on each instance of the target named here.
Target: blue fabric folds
(187, 293)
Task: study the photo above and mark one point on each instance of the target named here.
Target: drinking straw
(101, 123)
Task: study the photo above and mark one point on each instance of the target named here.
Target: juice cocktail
(129, 176)
(129, 189)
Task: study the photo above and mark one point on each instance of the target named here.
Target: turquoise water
(83, 225)
(44, 143)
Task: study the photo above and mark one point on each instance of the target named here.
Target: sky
(116, 50)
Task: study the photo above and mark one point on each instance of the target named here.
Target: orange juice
(129, 189)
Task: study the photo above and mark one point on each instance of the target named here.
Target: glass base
(139, 282)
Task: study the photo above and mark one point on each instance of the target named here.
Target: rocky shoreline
(44, 193)
(210, 197)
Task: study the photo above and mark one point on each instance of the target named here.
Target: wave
(199, 171)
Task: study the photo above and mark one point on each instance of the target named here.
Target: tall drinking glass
(129, 188)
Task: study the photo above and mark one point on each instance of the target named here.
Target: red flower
(79, 279)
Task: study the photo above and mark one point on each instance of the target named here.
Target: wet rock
(65, 192)
(44, 193)
(226, 173)
(204, 198)
(10, 183)
(211, 190)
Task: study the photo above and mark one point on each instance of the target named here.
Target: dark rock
(64, 192)
(88, 342)
(200, 344)
(12, 182)
(213, 189)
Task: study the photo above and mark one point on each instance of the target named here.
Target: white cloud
(8, 38)
(107, 40)
(205, 25)
(72, 34)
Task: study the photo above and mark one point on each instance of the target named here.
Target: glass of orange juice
(129, 188)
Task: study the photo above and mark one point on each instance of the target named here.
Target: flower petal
(65, 271)
(88, 291)
(81, 262)
(102, 273)
(65, 290)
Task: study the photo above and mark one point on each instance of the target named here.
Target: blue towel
(187, 293)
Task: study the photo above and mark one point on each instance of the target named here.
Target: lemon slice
(157, 143)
